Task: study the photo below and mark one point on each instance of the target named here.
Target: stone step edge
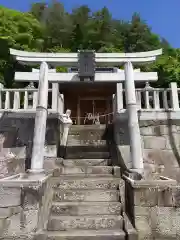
(61, 160)
(105, 170)
(69, 217)
(76, 233)
(91, 177)
(84, 190)
(79, 204)
(85, 175)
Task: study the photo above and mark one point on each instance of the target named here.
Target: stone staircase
(87, 203)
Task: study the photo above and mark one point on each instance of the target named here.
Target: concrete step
(75, 141)
(85, 208)
(86, 135)
(87, 235)
(86, 183)
(85, 162)
(80, 154)
(86, 195)
(84, 170)
(88, 127)
(75, 130)
(87, 148)
(65, 223)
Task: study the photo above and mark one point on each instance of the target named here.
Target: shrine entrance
(89, 103)
(94, 110)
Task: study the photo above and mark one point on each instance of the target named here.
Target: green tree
(80, 19)
(20, 31)
(38, 10)
(138, 36)
(102, 34)
(48, 27)
(57, 26)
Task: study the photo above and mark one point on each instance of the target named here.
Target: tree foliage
(50, 28)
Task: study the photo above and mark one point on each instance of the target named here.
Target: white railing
(155, 98)
(26, 99)
(152, 99)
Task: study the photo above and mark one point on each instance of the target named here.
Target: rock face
(87, 202)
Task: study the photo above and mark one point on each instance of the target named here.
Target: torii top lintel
(71, 59)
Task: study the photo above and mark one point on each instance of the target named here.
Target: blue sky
(162, 15)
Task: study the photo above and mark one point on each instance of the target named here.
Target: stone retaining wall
(160, 143)
(154, 209)
(24, 207)
(18, 132)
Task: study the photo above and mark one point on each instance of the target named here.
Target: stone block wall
(154, 210)
(18, 132)
(160, 144)
(24, 208)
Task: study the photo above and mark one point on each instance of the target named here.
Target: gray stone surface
(155, 209)
(18, 131)
(81, 154)
(160, 143)
(85, 162)
(24, 209)
(64, 223)
(87, 235)
(10, 197)
(86, 183)
(87, 195)
(84, 170)
(86, 208)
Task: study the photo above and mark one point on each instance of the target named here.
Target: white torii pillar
(37, 160)
(133, 124)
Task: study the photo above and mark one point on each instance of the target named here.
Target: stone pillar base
(36, 171)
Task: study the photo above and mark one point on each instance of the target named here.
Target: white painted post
(156, 99)
(165, 100)
(114, 105)
(40, 121)
(35, 98)
(16, 103)
(147, 105)
(174, 96)
(119, 96)
(134, 131)
(138, 99)
(7, 101)
(26, 100)
(55, 91)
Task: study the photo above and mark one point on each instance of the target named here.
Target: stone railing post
(16, 104)
(119, 96)
(37, 160)
(133, 124)
(174, 96)
(55, 92)
(7, 100)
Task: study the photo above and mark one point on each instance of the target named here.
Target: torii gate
(71, 59)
